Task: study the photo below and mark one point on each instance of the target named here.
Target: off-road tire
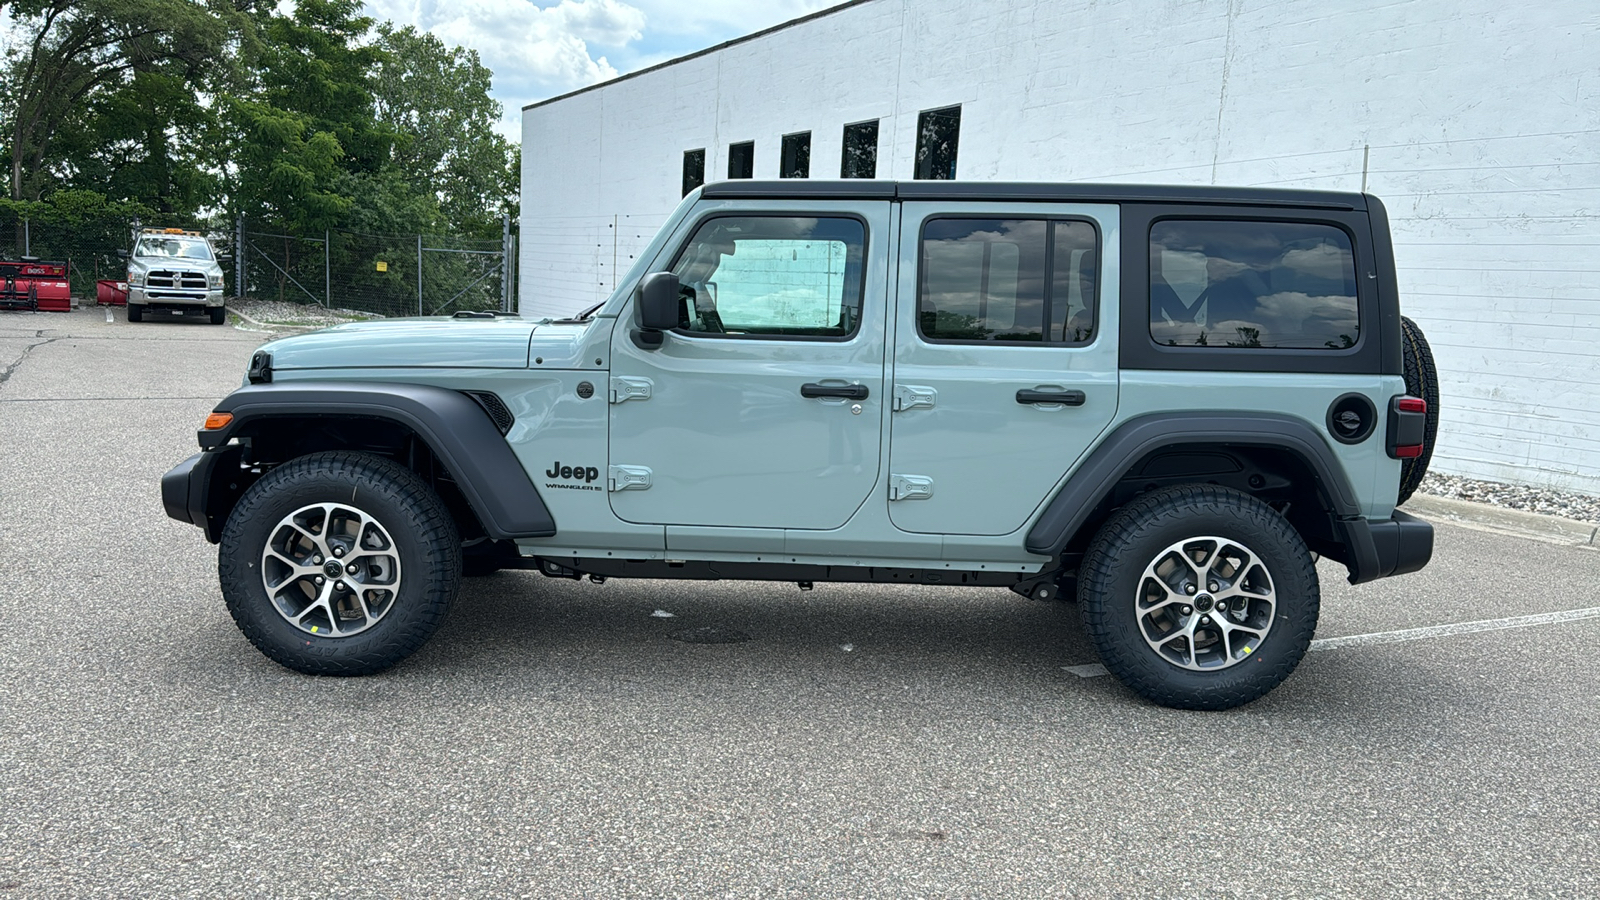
(425, 542)
(1422, 380)
(219, 315)
(1113, 568)
(135, 312)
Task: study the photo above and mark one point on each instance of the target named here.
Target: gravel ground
(276, 312)
(1582, 507)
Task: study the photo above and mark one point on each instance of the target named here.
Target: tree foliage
(303, 116)
(78, 52)
(435, 100)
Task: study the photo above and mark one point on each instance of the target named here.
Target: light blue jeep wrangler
(1167, 401)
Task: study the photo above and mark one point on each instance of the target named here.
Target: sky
(539, 50)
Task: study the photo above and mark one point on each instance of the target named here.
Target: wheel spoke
(1243, 587)
(302, 545)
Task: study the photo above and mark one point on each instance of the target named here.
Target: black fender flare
(1137, 438)
(453, 425)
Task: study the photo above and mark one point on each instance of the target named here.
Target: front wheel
(1199, 597)
(339, 563)
(219, 315)
(135, 312)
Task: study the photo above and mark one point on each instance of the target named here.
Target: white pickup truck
(176, 271)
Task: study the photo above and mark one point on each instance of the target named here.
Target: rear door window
(1244, 284)
(1012, 280)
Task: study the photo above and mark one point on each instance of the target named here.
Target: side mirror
(658, 306)
(122, 254)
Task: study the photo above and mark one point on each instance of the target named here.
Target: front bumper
(169, 298)
(1398, 545)
(189, 487)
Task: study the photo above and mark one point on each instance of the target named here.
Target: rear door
(1005, 359)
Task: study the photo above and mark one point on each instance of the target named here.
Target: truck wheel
(339, 563)
(135, 312)
(1422, 380)
(1199, 597)
(219, 315)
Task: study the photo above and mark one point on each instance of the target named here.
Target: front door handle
(843, 391)
(1066, 398)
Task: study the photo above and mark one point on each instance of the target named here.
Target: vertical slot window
(742, 160)
(938, 134)
(795, 160)
(860, 151)
(694, 169)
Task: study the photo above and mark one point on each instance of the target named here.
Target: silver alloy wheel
(1205, 603)
(331, 570)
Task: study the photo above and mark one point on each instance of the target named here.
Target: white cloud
(532, 51)
(539, 51)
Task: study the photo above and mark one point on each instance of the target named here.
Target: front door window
(770, 276)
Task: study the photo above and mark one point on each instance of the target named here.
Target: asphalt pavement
(555, 740)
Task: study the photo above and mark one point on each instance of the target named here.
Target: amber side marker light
(218, 420)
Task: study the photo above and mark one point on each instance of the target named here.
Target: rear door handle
(843, 391)
(1067, 398)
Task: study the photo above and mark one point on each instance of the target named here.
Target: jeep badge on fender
(1166, 402)
(579, 473)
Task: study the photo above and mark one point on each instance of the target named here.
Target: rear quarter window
(1252, 284)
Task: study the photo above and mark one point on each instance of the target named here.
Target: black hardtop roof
(1021, 191)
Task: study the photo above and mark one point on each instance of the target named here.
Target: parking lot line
(1432, 631)
(1095, 670)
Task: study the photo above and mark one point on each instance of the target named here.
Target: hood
(173, 264)
(432, 342)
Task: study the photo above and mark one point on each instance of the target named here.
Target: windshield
(174, 247)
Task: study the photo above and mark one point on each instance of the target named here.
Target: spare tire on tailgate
(1422, 380)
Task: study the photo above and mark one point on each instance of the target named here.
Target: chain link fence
(90, 248)
(379, 274)
(374, 274)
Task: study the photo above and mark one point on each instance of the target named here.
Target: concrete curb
(273, 326)
(1553, 529)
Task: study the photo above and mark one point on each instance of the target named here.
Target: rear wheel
(219, 315)
(339, 563)
(1199, 597)
(1422, 380)
(135, 312)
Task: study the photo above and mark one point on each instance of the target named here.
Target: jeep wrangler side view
(1166, 401)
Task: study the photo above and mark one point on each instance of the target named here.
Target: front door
(763, 409)
(1005, 356)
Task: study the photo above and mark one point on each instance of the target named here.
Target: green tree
(74, 53)
(307, 119)
(435, 100)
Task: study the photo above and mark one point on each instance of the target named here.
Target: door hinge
(910, 487)
(625, 388)
(914, 396)
(628, 478)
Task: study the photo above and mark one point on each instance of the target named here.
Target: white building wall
(1476, 122)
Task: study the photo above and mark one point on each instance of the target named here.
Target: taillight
(1408, 420)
